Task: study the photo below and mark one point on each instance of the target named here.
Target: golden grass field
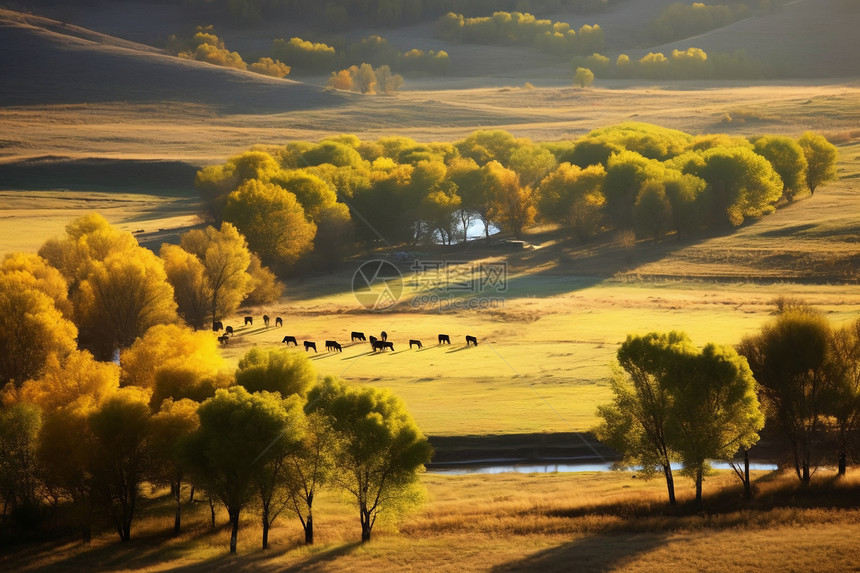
(544, 355)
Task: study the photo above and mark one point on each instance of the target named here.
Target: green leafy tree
(637, 421)
(843, 400)
(239, 435)
(652, 211)
(821, 158)
(789, 359)
(740, 183)
(276, 370)
(788, 160)
(310, 467)
(379, 450)
(20, 486)
(715, 410)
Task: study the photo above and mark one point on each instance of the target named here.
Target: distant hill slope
(806, 38)
(48, 62)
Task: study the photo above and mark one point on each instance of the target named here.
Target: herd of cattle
(380, 344)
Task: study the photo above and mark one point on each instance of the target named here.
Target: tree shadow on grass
(269, 561)
(604, 552)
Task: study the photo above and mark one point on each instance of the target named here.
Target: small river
(502, 468)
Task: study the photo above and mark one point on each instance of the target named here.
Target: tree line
(340, 14)
(521, 29)
(675, 403)
(312, 201)
(690, 64)
(88, 436)
(205, 46)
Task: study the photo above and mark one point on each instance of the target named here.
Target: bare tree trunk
(177, 517)
(699, 479)
(670, 483)
(212, 510)
(747, 486)
(234, 531)
(309, 529)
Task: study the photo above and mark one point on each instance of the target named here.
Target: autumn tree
(512, 205)
(64, 452)
(272, 220)
(225, 258)
(821, 158)
(466, 175)
(40, 274)
(120, 427)
(120, 298)
(172, 361)
(574, 196)
(191, 290)
(266, 288)
(31, 329)
(275, 370)
(652, 211)
(584, 77)
(77, 378)
(119, 289)
(789, 359)
(379, 449)
(173, 421)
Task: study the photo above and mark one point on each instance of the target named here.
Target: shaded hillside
(45, 62)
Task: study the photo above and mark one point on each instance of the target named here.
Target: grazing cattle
(279, 321)
(416, 343)
(333, 346)
(357, 336)
(249, 320)
(444, 338)
(289, 339)
(384, 336)
(266, 320)
(382, 345)
(373, 340)
(471, 340)
(229, 330)
(217, 325)
(309, 344)
(223, 339)
(388, 345)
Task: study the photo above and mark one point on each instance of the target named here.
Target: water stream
(528, 468)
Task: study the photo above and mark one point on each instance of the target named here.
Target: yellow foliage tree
(42, 275)
(76, 381)
(31, 329)
(225, 257)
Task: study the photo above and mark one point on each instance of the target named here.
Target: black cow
(373, 340)
(266, 320)
(279, 321)
(229, 330)
(333, 346)
(471, 340)
(416, 343)
(309, 344)
(223, 339)
(217, 325)
(357, 336)
(382, 345)
(444, 338)
(383, 336)
(289, 339)
(249, 320)
(388, 345)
